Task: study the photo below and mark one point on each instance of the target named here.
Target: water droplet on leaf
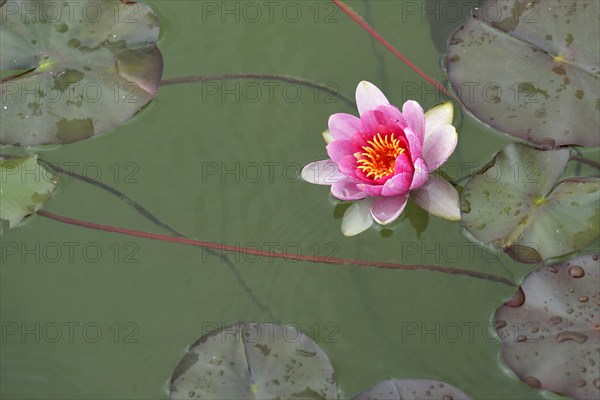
(576, 271)
(574, 336)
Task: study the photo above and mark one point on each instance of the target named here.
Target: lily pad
(80, 68)
(531, 69)
(516, 203)
(24, 187)
(254, 361)
(550, 330)
(406, 389)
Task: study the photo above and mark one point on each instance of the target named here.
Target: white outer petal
(398, 204)
(438, 197)
(357, 218)
(327, 136)
(439, 146)
(323, 172)
(441, 114)
(369, 97)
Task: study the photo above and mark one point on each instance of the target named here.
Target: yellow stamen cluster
(379, 157)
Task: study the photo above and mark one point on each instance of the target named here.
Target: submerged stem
(128, 200)
(265, 77)
(587, 161)
(153, 219)
(295, 257)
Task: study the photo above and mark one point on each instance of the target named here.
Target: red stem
(391, 48)
(287, 256)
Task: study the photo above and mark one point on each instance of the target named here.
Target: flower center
(379, 157)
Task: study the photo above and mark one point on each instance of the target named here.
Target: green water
(151, 299)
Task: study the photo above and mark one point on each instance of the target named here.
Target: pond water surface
(220, 162)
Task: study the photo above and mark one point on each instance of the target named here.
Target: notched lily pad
(531, 69)
(254, 361)
(411, 389)
(24, 187)
(516, 203)
(72, 70)
(550, 330)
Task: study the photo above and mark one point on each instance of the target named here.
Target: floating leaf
(254, 361)
(24, 187)
(406, 389)
(515, 203)
(80, 68)
(550, 330)
(531, 69)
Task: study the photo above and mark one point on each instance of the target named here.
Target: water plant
(385, 156)
(530, 200)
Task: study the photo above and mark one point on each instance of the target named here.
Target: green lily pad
(516, 203)
(550, 329)
(415, 389)
(531, 69)
(24, 187)
(76, 69)
(254, 361)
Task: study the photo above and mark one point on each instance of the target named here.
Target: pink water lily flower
(386, 156)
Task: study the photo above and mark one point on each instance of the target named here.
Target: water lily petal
(386, 209)
(399, 184)
(415, 118)
(343, 126)
(345, 189)
(371, 122)
(438, 197)
(402, 179)
(394, 115)
(441, 114)
(421, 174)
(339, 149)
(323, 172)
(369, 97)
(371, 190)
(415, 143)
(347, 166)
(404, 165)
(383, 120)
(357, 218)
(327, 136)
(439, 146)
